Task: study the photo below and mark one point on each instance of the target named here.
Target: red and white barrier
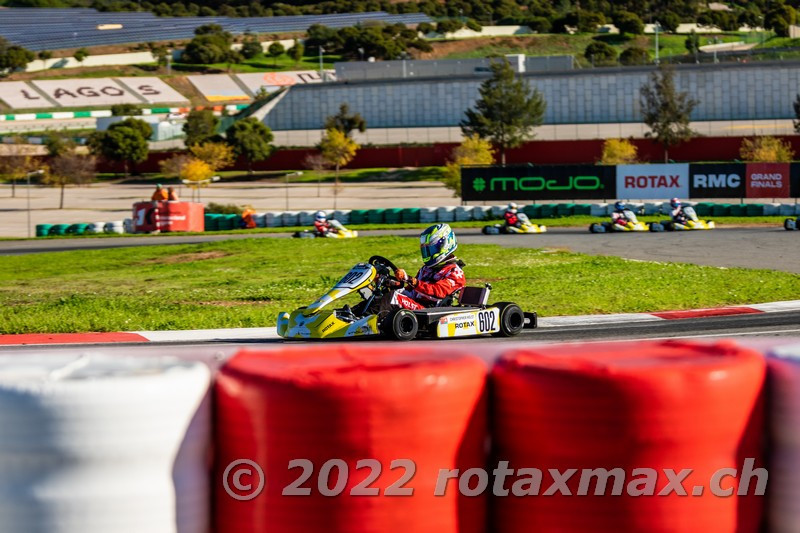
(622, 405)
(350, 403)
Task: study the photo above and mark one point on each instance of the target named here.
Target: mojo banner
(538, 182)
(723, 180)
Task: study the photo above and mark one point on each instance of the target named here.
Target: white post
(656, 27)
(321, 72)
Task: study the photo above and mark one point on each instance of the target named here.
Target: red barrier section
(350, 403)
(168, 216)
(656, 405)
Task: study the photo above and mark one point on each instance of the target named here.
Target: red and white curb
(255, 334)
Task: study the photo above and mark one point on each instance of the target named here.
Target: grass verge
(244, 283)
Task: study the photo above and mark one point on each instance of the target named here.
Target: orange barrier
(323, 403)
(652, 405)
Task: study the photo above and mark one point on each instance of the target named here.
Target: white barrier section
(88, 92)
(218, 87)
(153, 89)
(784, 473)
(18, 95)
(94, 444)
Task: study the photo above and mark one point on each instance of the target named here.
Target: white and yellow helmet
(436, 243)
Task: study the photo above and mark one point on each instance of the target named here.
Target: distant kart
(633, 224)
(791, 223)
(526, 226)
(338, 232)
(692, 222)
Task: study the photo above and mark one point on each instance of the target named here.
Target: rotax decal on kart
(717, 180)
(538, 182)
(635, 182)
(470, 323)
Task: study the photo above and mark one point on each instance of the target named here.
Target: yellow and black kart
(464, 314)
(691, 223)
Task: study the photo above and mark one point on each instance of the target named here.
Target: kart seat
(475, 295)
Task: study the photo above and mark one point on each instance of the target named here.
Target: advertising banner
(794, 188)
(168, 216)
(639, 182)
(538, 182)
(768, 180)
(723, 180)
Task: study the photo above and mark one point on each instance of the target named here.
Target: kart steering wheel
(380, 260)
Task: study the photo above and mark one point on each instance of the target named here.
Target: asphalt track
(771, 248)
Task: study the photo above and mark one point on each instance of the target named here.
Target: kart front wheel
(402, 325)
(512, 319)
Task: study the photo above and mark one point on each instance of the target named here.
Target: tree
(70, 168)
(779, 18)
(618, 152)
(588, 21)
(211, 44)
(338, 150)
(316, 163)
(196, 171)
(666, 111)
(692, 44)
(296, 52)
(275, 51)
(472, 151)
(144, 129)
(43, 56)
(600, 53)
(13, 57)
(251, 46)
(200, 126)
(766, 149)
(634, 56)
(669, 21)
(57, 144)
(17, 162)
(346, 122)
(506, 111)
(125, 110)
(250, 139)
(121, 142)
(216, 155)
(628, 22)
(80, 55)
(173, 166)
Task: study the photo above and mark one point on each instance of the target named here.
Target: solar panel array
(54, 29)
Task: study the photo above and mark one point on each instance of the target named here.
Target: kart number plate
(356, 277)
(469, 323)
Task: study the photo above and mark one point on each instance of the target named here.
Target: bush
(618, 152)
(669, 21)
(628, 22)
(634, 56)
(474, 25)
(539, 24)
(226, 209)
(766, 150)
(600, 53)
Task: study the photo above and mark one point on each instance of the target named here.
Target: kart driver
(439, 277)
(676, 212)
(618, 215)
(321, 224)
(511, 216)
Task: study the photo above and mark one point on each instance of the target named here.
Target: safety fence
(102, 113)
(631, 182)
(658, 436)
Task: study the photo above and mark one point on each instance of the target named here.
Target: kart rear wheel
(512, 319)
(401, 324)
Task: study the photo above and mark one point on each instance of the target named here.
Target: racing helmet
(436, 243)
(675, 203)
(619, 206)
(512, 207)
(321, 216)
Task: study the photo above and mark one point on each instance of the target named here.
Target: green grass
(260, 63)
(245, 283)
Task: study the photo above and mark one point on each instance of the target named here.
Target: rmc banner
(538, 182)
(631, 182)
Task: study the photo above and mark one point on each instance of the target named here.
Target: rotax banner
(538, 182)
(631, 182)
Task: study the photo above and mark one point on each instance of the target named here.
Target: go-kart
(691, 223)
(338, 232)
(632, 224)
(791, 223)
(464, 314)
(526, 226)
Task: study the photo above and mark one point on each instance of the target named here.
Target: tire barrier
(650, 404)
(446, 214)
(427, 214)
(93, 444)
(784, 400)
(351, 403)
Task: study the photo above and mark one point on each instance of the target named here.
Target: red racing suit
(511, 219)
(432, 285)
(322, 226)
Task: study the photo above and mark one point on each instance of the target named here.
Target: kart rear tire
(789, 224)
(401, 324)
(669, 226)
(512, 319)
